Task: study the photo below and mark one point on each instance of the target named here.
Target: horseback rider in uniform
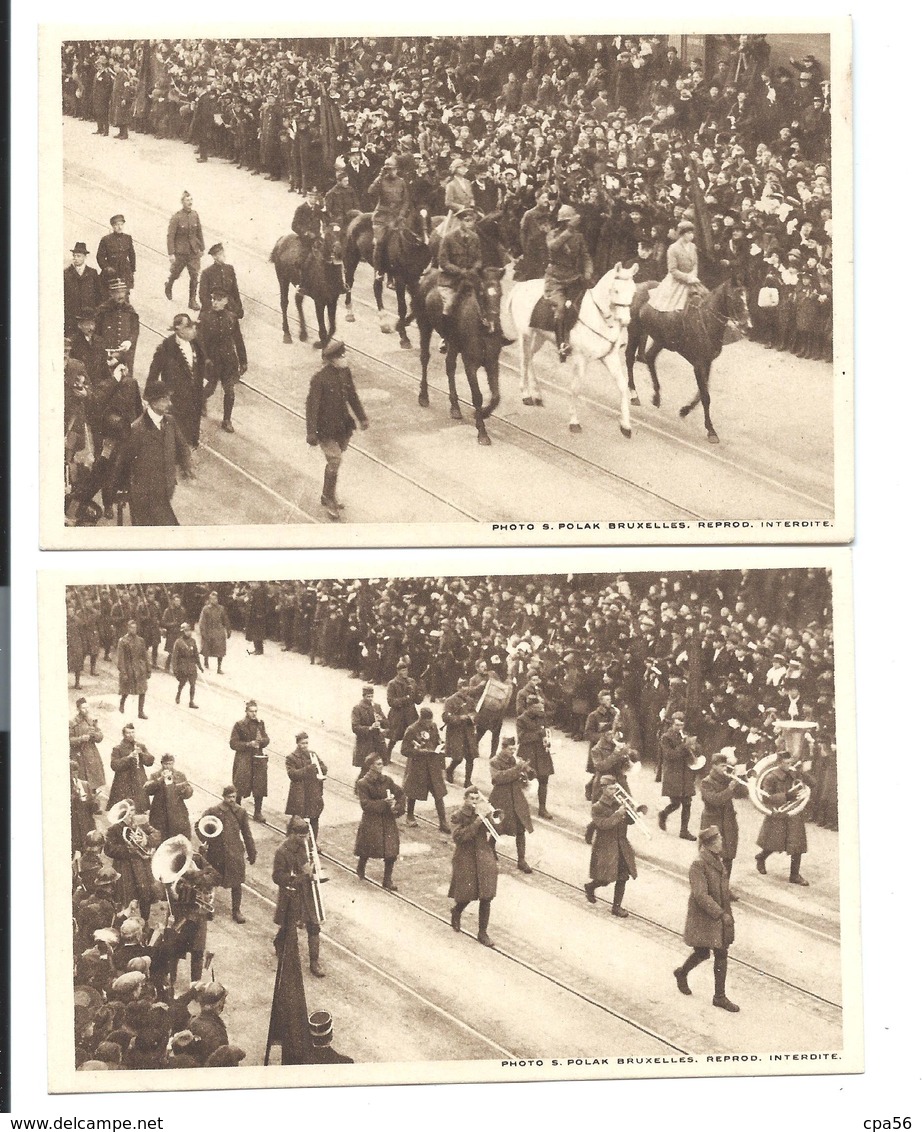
(308, 220)
(391, 210)
(460, 260)
(569, 272)
(681, 281)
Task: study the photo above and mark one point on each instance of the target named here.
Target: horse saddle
(542, 317)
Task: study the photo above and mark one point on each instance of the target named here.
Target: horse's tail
(274, 254)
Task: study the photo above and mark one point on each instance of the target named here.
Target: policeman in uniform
(118, 323)
(320, 1051)
(220, 276)
(460, 261)
(569, 272)
(115, 254)
(185, 245)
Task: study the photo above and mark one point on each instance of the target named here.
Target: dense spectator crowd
(622, 128)
(735, 650)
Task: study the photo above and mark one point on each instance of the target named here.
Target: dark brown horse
(473, 331)
(406, 256)
(697, 333)
(317, 273)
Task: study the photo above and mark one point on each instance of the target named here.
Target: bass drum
(494, 698)
(756, 794)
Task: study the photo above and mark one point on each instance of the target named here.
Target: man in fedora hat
(118, 323)
(185, 245)
(115, 254)
(83, 289)
(329, 423)
(709, 922)
(179, 363)
(149, 459)
(220, 276)
(568, 272)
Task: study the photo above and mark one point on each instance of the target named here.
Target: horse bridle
(612, 345)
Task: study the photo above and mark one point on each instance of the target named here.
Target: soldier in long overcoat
(718, 789)
(257, 614)
(229, 852)
(293, 874)
(382, 802)
(133, 861)
(783, 832)
(369, 727)
(678, 778)
(85, 733)
(186, 662)
(474, 869)
(612, 860)
(509, 774)
(403, 695)
(534, 747)
(129, 779)
(306, 775)
(425, 771)
(709, 922)
(213, 627)
(133, 665)
(248, 741)
(169, 790)
(459, 716)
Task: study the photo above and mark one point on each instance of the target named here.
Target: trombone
(489, 816)
(634, 812)
(318, 876)
(315, 763)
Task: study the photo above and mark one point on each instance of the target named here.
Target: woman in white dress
(681, 271)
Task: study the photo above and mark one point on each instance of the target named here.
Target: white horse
(599, 334)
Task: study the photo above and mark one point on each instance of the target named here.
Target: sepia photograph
(405, 829)
(446, 289)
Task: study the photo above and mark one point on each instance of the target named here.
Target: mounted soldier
(568, 274)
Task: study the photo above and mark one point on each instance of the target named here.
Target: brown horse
(697, 333)
(317, 273)
(472, 330)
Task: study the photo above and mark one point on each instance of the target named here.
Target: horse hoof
(286, 338)
(423, 400)
(539, 403)
(684, 411)
(484, 440)
(656, 401)
(713, 438)
(626, 432)
(456, 413)
(635, 400)
(577, 427)
(318, 345)
(350, 317)
(406, 344)
(528, 400)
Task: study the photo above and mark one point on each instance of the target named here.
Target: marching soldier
(219, 276)
(191, 900)
(186, 663)
(185, 245)
(369, 727)
(219, 333)
(382, 802)
(459, 717)
(784, 832)
(169, 790)
(229, 850)
(474, 870)
(612, 860)
(249, 740)
(425, 771)
(678, 777)
(509, 774)
(293, 872)
(535, 747)
(402, 697)
(306, 772)
(85, 733)
(709, 923)
(115, 254)
(601, 721)
(718, 789)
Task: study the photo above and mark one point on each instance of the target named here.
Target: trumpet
(634, 812)
(167, 778)
(491, 818)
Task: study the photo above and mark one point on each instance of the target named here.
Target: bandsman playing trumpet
(474, 869)
(295, 873)
(425, 773)
(680, 766)
(510, 774)
(228, 846)
(709, 922)
(306, 773)
(783, 832)
(129, 780)
(130, 844)
(169, 790)
(382, 802)
(718, 789)
(535, 748)
(612, 860)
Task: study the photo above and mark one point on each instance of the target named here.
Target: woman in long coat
(709, 922)
(612, 860)
(213, 629)
(306, 775)
(382, 802)
(129, 779)
(508, 774)
(474, 869)
(534, 748)
(681, 271)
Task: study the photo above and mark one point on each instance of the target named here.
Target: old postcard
(634, 247)
(343, 829)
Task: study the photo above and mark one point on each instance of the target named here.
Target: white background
(887, 66)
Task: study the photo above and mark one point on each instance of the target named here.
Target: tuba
(208, 827)
(694, 762)
(757, 795)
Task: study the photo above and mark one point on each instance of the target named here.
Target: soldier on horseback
(569, 272)
(391, 210)
(460, 261)
(308, 220)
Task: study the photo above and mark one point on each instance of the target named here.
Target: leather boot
(193, 302)
(616, 909)
(483, 922)
(313, 951)
(236, 915)
(388, 881)
(456, 918)
(681, 979)
(141, 714)
(360, 868)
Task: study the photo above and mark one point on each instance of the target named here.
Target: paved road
(774, 412)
